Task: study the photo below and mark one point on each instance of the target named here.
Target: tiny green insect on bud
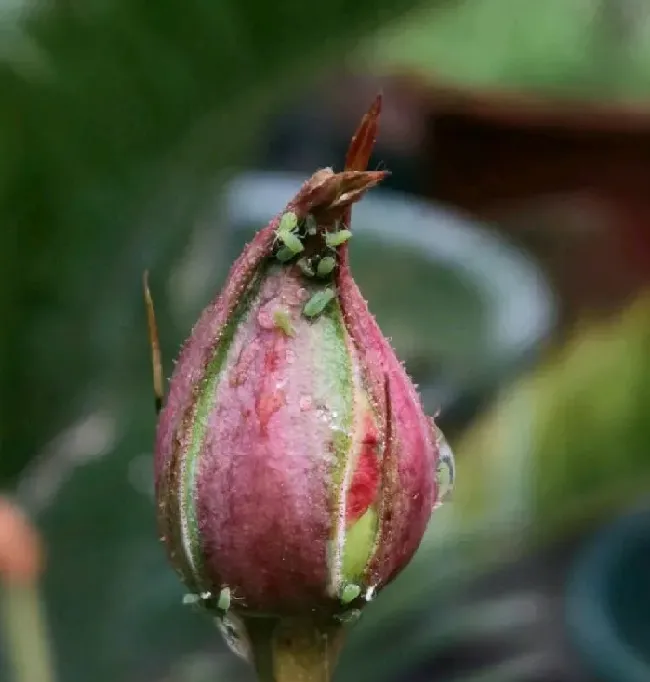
(318, 302)
(337, 238)
(282, 321)
(285, 254)
(325, 266)
(290, 240)
(288, 222)
(305, 267)
(223, 603)
(349, 593)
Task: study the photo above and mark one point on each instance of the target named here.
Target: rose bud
(295, 468)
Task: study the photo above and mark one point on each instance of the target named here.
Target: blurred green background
(121, 124)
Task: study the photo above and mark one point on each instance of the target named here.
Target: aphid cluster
(317, 261)
(320, 260)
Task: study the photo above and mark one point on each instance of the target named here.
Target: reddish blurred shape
(491, 152)
(21, 555)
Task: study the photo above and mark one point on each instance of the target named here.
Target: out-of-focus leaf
(596, 49)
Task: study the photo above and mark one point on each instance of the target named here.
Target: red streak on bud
(272, 359)
(269, 399)
(267, 405)
(365, 480)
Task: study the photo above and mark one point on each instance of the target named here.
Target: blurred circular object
(462, 306)
(608, 601)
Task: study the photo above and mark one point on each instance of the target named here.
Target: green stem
(294, 649)
(27, 646)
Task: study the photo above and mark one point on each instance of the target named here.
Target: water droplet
(305, 403)
(445, 470)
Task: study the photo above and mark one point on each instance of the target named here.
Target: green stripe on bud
(205, 401)
(359, 544)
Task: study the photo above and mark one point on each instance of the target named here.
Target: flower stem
(294, 649)
(25, 635)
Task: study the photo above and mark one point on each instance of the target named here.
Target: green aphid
(290, 240)
(190, 599)
(305, 267)
(223, 603)
(337, 238)
(318, 302)
(325, 266)
(288, 222)
(349, 593)
(282, 321)
(285, 254)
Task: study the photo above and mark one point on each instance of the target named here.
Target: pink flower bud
(295, 467)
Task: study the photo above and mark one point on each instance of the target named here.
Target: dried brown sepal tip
(328, 195)
(363, 140)
(156, 359)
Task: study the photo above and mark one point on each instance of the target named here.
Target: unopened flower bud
(296, 470)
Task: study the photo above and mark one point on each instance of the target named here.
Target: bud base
(294, 649)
